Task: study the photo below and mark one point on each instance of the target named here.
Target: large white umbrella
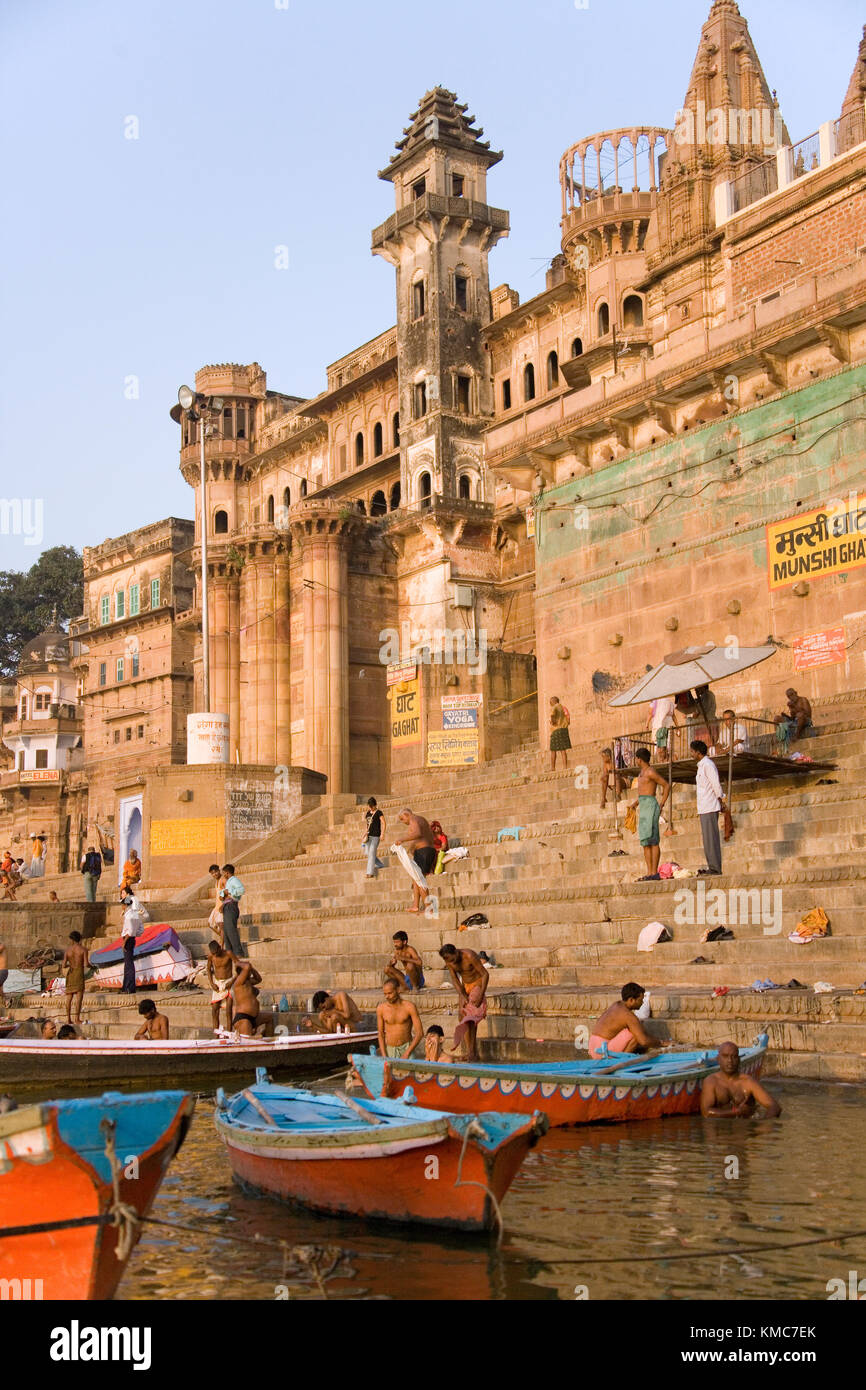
(694, 666)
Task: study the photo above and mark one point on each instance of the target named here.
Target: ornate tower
(851, 123)
(438, 239)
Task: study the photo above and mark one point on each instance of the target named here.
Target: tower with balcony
(438, 239)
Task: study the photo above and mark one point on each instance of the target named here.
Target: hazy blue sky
(261, 126)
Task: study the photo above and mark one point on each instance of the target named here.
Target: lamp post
(197, 407)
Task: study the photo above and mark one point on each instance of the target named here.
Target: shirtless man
(618, 1026)
(729, 1095)
(608, 770)
(337, 1010)
(75, 961)
(246, 997)
(798, 714)
(470, 979)
(400, 1028)
(48, 1030)
(650, 811)
(221, 974)
(155, 1026)
(405, 966)
(419, 843)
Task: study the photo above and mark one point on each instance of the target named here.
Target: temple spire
(851, 123)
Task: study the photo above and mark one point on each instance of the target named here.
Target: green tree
(28, 600)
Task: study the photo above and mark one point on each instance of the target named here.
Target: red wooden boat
(617, 1087)
(373, 1158)
(73, 1176)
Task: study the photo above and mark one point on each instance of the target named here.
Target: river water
(655, 1189)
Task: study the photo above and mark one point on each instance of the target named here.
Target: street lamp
(196, 407)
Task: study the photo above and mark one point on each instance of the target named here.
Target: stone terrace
(565, 916)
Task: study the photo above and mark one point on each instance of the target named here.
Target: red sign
(819, 649)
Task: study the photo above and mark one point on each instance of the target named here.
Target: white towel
(410, 866)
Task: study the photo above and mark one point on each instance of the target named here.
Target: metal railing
(805, 156)
(757, 182)
(850, 130)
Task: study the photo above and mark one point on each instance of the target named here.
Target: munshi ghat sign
(829, 541)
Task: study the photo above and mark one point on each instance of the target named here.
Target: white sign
(462, 701)
(207, 738)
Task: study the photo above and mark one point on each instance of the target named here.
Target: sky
(157, 153)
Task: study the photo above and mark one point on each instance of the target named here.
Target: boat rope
(713, 1254)
(122, 1216)
(474, 1130)
(43, 1227)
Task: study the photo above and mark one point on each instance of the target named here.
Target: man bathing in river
(246, 1000)
(618, 1026)
(155, 1026)
(729, 1095)
(434, 1041)
(400, 1028)
(221, 974)
(649, 810)
(470, 979)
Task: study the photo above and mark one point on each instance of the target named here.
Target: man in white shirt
(710, 803)
(129, 931)
(733, 732)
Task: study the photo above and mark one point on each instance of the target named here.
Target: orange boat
(384, 1159)
(620, 1086)
(76, 1176)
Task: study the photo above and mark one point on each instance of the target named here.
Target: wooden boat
(66, 1173)
(100, 1060)
(160, 958)
(620, 1086)
(383, 1159)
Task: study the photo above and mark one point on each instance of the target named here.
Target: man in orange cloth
(131, 873)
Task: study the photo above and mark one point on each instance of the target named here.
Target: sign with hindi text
(823, 648)
(829, 541)
(406, 714)
(452, 748)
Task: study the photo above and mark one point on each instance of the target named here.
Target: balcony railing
(756, 183)
(850, 130)
(791, 163)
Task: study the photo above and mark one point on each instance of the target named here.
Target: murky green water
(650, 1189)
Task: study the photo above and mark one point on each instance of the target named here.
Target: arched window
(603, 320)
(395, 435)
(303, 487)
(220, 523)
(394, 501)
(529, 382)
(425, 489)
(552, 370)
(378, 505)
(271, 509)
(287, 497)
(359, 449)
(464, 487)
(377, 439)
(632, 311)
(577, 348)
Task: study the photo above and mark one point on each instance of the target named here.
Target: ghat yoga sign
(405, 713)
(829, 541)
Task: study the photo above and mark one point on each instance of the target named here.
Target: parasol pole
(671, 730)
(616, 788)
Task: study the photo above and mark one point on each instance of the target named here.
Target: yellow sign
(206, 835)
(452, 747)
(406, 714)
(830, 541)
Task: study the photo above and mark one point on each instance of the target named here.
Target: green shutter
(105, 608)
(119, 604)
(154, 593)
(133, 600)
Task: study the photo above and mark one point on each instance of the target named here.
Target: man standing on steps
(130, 931)
(231, 891)
(417, 846)
(91, 871)
(710, 803)
(649, 810)
(470, 979)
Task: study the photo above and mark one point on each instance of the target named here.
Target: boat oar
(628, 1062)
(365, 1114)
(259, 1108)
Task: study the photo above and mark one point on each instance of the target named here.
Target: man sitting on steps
(618, 1026)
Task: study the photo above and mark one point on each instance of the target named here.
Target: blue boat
(620, 1086)
(76, 1178)
(382, 1159)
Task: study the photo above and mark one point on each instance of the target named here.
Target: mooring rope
(123, 1217)
(710, 1254)
(475, 1131)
